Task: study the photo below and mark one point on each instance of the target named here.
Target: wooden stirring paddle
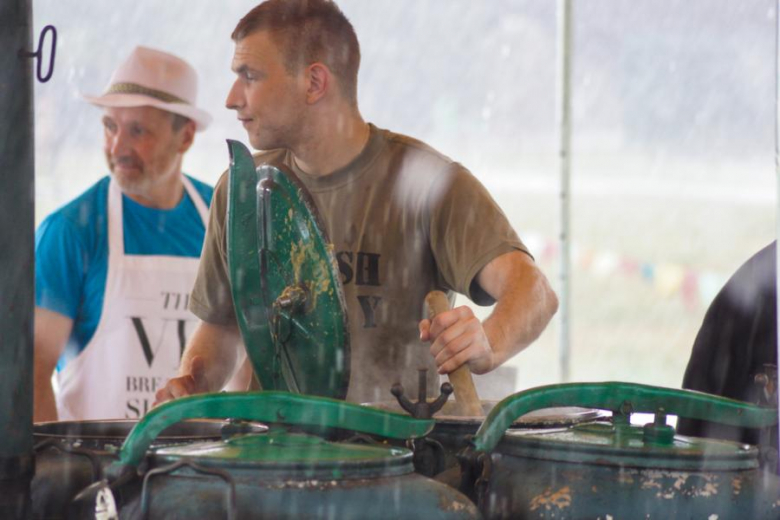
(466, 398)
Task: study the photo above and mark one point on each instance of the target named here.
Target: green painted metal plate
(622, 440)
(626, 446)
(285, 282)
(285, 451)
(268, 407)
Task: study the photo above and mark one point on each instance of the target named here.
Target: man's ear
(320, 82)
(188, 136)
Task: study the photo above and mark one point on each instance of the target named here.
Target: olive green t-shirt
(404, 220)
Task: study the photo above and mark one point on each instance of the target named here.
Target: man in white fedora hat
(115, 266)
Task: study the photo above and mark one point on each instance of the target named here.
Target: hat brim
(201, 117)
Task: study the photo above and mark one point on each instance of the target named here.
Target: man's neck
(332, 145)
(161, 201)
(162, 195)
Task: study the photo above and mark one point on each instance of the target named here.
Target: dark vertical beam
(17, 222)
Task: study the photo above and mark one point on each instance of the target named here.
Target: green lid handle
(269, 407)
(623, 398)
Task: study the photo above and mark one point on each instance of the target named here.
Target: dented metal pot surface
(529, 477)
(613, 469)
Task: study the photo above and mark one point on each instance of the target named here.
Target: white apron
(142, 331)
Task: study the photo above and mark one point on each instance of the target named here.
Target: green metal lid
(607, 444)
(285, 281)
(268, 407)
(294, 455)
(618, 443)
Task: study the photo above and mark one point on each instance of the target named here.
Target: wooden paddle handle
(465, 392)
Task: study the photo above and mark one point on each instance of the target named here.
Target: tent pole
(563, 120)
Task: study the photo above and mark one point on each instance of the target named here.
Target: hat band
(135, 88)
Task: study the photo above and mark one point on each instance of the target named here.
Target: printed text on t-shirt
(362, 269)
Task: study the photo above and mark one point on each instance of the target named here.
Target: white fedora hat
(153, 78)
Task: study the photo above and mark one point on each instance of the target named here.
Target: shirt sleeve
(211, 299)
(467, 231)
(60, 265)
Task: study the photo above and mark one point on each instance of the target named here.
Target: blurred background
(673, 172)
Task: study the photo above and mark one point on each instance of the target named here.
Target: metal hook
(39, 53)
(422, 409)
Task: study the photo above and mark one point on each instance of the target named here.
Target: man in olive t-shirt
(403, 219)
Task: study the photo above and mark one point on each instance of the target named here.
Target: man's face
(142, 149)
(268, 100)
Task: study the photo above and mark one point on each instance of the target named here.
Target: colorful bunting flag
(696, 289)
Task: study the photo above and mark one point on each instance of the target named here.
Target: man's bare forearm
(525, 305)
(51, 332)
(212, 356)
(219, 347)
(44, 403)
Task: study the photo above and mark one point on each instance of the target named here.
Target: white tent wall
(672, 140)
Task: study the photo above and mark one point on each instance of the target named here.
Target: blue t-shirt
(71, 252)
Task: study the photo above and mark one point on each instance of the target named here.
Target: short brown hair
(308, 31)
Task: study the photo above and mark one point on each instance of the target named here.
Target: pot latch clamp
(422, 409)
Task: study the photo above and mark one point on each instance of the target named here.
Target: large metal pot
(71, 455)
(612, 469)
(278, 474)
(291, 313)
